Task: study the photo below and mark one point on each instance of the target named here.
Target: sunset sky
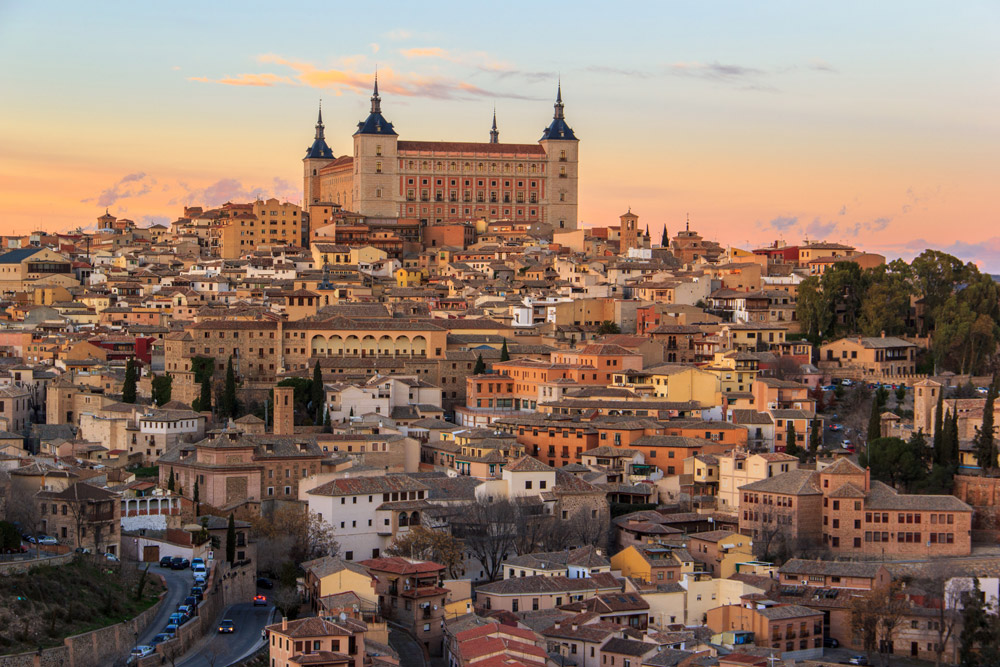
(872, 123)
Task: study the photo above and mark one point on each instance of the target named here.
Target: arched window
(404, 519)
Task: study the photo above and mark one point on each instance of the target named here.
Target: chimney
(883, 333)
(868, 480)
(284, 411)
(284, 622)
(556, 625)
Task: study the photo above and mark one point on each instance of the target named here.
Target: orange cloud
(260, 80)
(346, 78)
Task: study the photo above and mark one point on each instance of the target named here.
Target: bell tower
(562, 155)
(629, 231)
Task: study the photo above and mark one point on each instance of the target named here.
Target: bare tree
(588, 529)
(22, 509)
(945, 587)
(488, 530)
(286, 599)
(876, 616)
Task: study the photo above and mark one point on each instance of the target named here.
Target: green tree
(230, 404)
(231, 539)
(975, 633)
(608, 327)
(898, 463)
(791, 441)
(197, 497)
(939, 428)
(327, 424)
(162, 388)
(951, 441)
(504, 354)
(316, 394)
(815, 437)
(984, 443)
(664, 241)
(885, 303)
(812, 310)
(129, 387)
(202, 366)
(9, 537)
(204, 402)
(480, 366)
(875, 421)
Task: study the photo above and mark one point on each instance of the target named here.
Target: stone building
(437, 181)
(82, 515)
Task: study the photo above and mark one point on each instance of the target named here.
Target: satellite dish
(343, 616)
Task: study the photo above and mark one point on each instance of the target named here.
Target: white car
(142, 651)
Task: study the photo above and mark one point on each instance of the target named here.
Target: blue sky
(871, 123)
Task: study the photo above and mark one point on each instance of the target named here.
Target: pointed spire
(319, 123)
(559, 103)
(687, 225)
(494, 133)
(376, 100)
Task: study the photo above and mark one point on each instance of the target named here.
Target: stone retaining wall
(17, 566)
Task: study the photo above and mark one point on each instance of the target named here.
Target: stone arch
(404, 520)
(401, 346)
(415, 518)
(352, 346)
(385, 346)
(419, 345)
(335, 345)
(319, 346)
(369, 346)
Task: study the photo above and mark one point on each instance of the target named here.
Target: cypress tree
(480, 366)
(791, 444)
(230, 406)
(327, 424)
(664, 241)
(875, 422)
(205, 402)
(170, 481)
(815, 438)
(504, 354)
(950, 441)
(231, 539)
(939, 427)
(985, 442)
(128, 388)
(197, 496)
(317, 393)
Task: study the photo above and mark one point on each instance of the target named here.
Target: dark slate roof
(18, 255)
(375, 124)
(558, 129)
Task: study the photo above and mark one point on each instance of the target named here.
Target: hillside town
(427, 417)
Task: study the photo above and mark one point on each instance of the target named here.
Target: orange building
(317, 642)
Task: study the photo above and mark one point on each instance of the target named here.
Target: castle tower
(925, 399)
(318, 155)
(284, 410)
(629, 232)
(562, 150)
(376, 181)
(494, 133)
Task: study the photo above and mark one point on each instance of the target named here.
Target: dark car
(191, 601)
(178, 563)
(831, 642)
(170, 631)
(198, 592)
(227, 626)
(260, 601)
(264, 582)
(166, 561)
(160, 638)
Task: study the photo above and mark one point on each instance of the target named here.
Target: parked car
(191, 601)
(186, 610)
(42, 539)
(200, 578)
(178, 619)
(857, 660)
(198, 592)
(19, 549)
(830, 642)
(982, 390)
(111, 557)
(828, 387)
(166, 561)
(227, 626)
(835, 427)
(160, 638)
(197, 561)
(170, 630)
(260, 600)
(142, 651)
(264, 582)
(847, 382)
(199, 568)
(82, 550)
(178, 563)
